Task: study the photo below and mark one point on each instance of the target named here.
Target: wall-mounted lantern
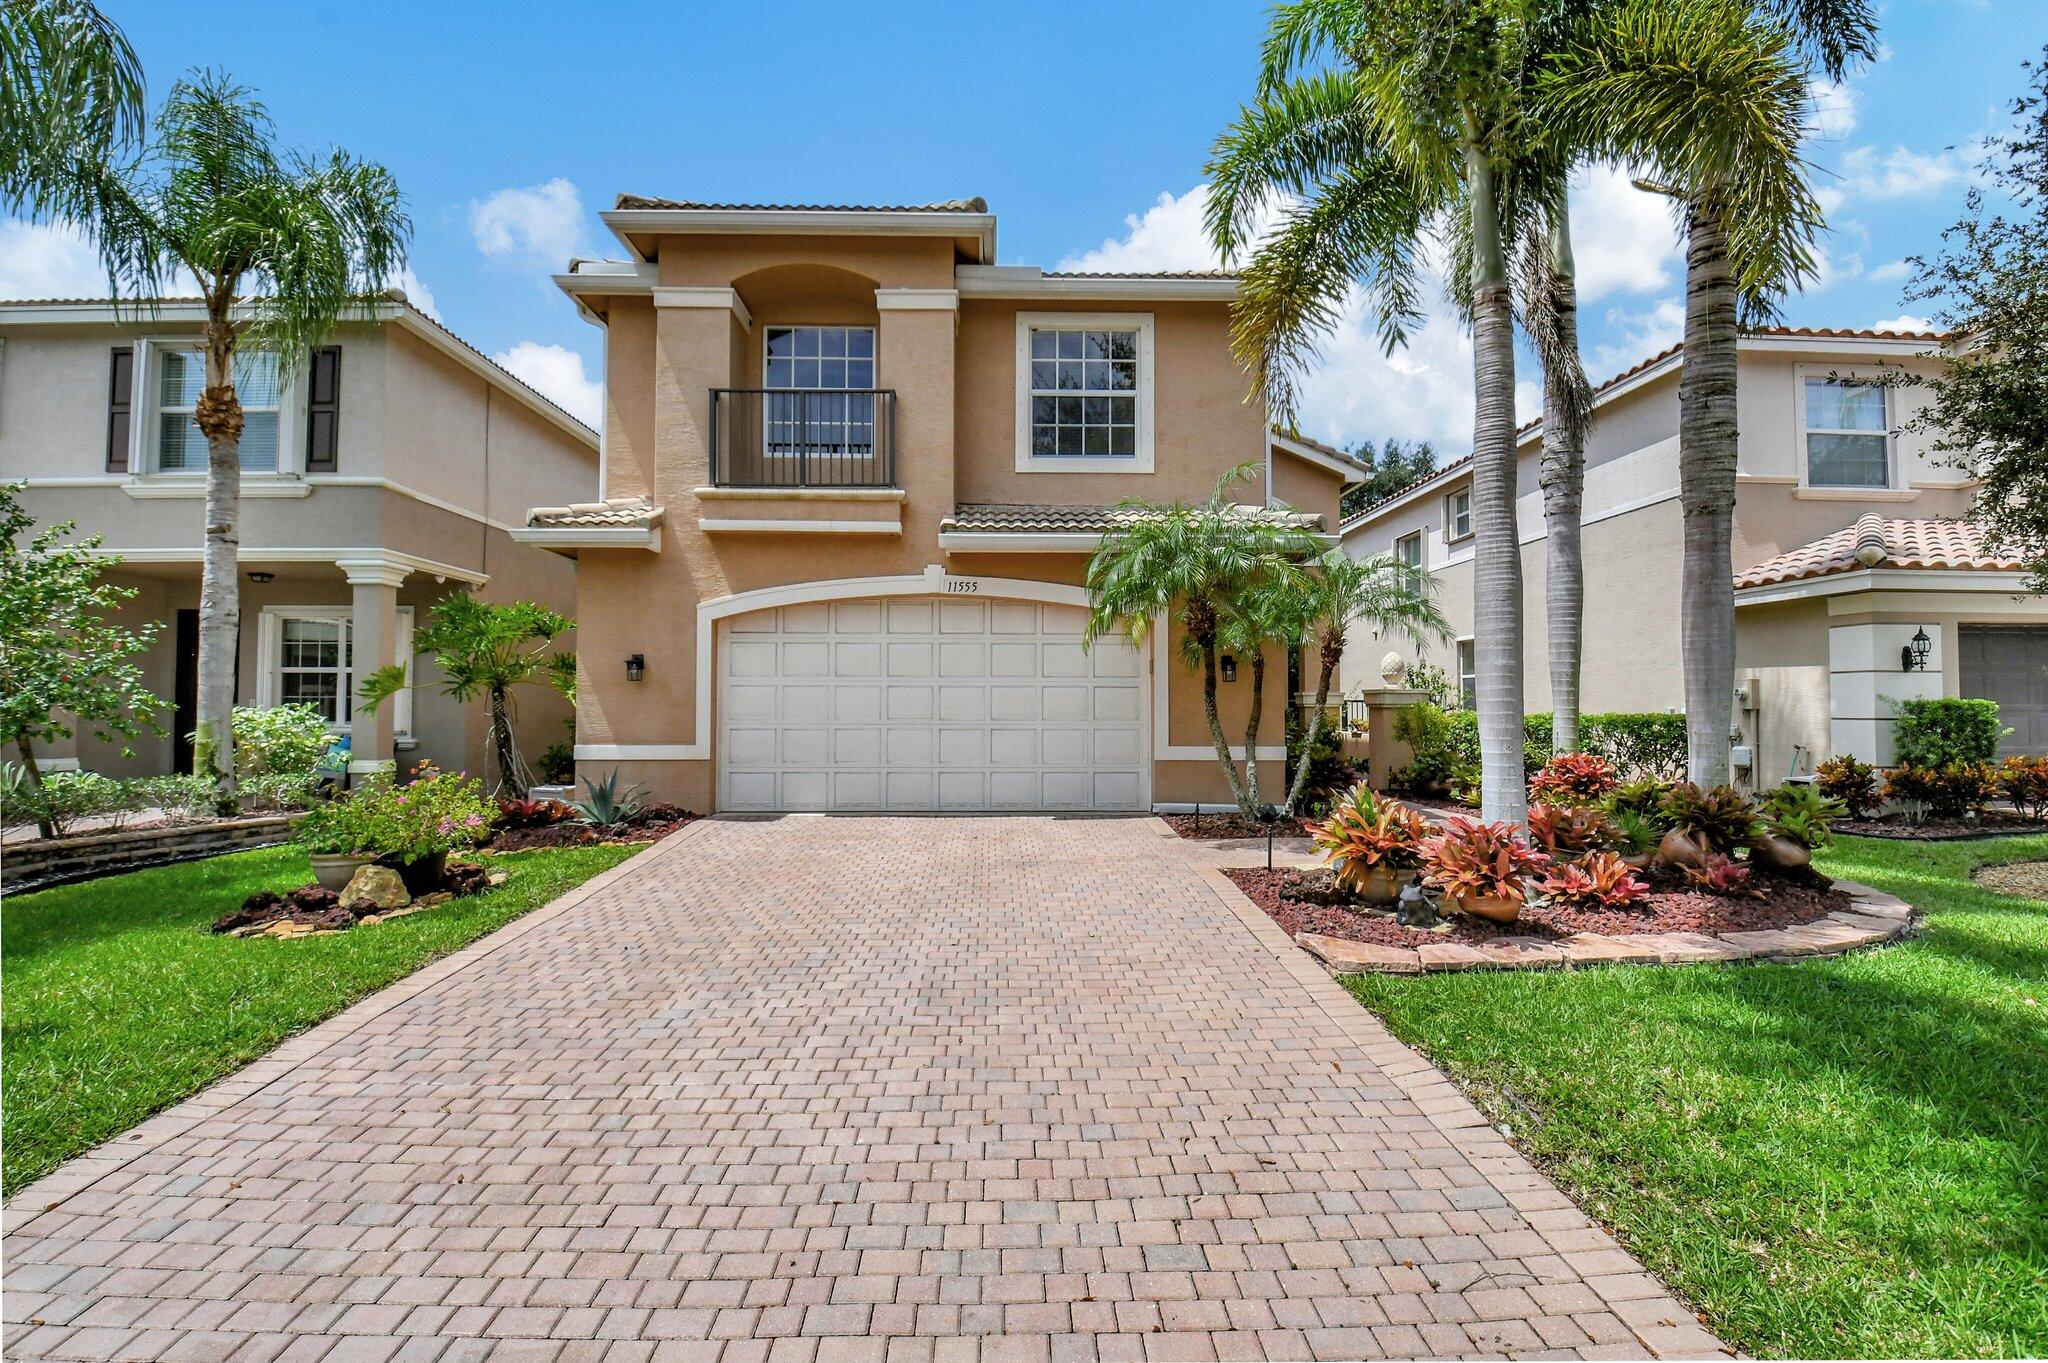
(636, 666)
(1913, 656)
(1229, 668)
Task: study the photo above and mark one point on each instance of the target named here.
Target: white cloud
(1638, 334)
(1874, 174)
(557, 373)
(1167, 236)
(416, 290)
(1830, 268)
(48, 260)
(540, 225)
(1624, 240)
(1834, 108)
(1903, 322)
(1891, 272)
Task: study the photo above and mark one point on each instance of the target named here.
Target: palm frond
(71, 100)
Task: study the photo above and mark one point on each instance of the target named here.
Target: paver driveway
(924, 1089)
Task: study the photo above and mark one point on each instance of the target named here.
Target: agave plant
(1724, 875)
(1363, 834)
(1574, 778)
(1601, 880)
(1470, 860)
(1566, 831)
(1801, 813)
(604, 805)
(1721, 819)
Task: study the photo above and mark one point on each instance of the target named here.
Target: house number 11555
(962, 586)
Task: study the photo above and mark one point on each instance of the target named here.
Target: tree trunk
(1332, 653)
(1564, 495)
(219, 418)
(1706, 491)
(512, 781)
(1251, 731)
(1199, 620)
(35, 783)
(1497, 567)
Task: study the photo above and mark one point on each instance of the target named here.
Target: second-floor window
(830, 406)
(181, 375)
(1458, 514)
(1084, 392)
(1847, 440)
(1468, 674)
(1408, 553)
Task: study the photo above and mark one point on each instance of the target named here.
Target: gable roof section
(1876, 542)
(1351, 467)
(977, 204)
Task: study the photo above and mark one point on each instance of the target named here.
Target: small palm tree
(486, 649)
(70, 96)
(1380, 592)
(283, 247)
(1209, 566)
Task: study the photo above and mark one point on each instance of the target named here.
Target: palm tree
(1387, 596)
(1710, 96)
(486, 649)
(1422, 120)
(1217, 567)
(70, 96)
(283, 246)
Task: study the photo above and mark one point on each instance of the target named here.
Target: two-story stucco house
(1849, 546)
(394, 469)
(853, 471)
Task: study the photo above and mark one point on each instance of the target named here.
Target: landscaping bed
(1228, 823)
(1989, 823)
(1300, 901)
(2023, 879)
(651, 824)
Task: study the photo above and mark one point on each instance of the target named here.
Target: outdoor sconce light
(1913, 657)
(1229, 668)
(636, 666)
(259, 577)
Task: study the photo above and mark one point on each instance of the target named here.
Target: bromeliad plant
(1724, 876)
(1719, 820)
(1801, 813)
(1364, 836)
(1471, 862)
(1569, 831)
(1574, 778)
(1600, 880)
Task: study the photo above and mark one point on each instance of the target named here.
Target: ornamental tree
(66, 662)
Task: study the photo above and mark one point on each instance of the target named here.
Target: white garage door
(925, 703)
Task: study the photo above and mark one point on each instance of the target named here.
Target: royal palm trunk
(1564, 494)
(1497, 566)
(218, 415)
(1706, 490)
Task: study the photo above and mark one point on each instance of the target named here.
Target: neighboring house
(384, 476)
(1848, 546)
(853, 473)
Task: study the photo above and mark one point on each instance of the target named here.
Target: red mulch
(650, 825)
(1668, 909)
(1230, 824)
(1992, 823)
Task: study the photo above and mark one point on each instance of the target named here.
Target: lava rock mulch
(1230, 824)
(651, 824)
(311, 910)
(1992, 823)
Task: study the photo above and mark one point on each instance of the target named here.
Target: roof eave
(979, 228)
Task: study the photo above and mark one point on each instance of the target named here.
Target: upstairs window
(820, 357)
(821, 403)
(1084, 392)
(1848, 443)
(1468, 674)
(181, 375)
(1408, 553)
(1458, 514)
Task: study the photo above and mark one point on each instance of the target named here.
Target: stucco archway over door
(927, 703)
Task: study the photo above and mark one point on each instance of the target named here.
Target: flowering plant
(434, 813)
(1574, 778)
(1475, 860)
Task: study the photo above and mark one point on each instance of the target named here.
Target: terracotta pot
(1783, 853)
(1492, 907)
(1638, 861)
(1379, 885)
(1679, 850)
(333, 869)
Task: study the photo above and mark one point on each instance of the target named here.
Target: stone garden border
(1873, 918)
(87, 856)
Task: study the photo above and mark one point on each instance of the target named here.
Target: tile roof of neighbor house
(1651, 362)
(977, 204)
(1876, 542)
(1012, 518)
(629, 512)
(1319, 447)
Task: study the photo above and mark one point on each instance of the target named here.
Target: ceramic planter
(1677, 849)
(1379, 885)
(333, 869)
(1638, 861)
(1778, 851)
(1494, 908)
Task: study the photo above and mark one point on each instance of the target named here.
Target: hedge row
(1637, 744)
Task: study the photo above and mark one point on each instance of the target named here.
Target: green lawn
(119, 1002)
(1839, 1158)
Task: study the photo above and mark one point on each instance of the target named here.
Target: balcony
(776, 439)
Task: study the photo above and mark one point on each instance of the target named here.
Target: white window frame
(146, 420)
(1451, 532)
(270, 656)
(874, 358)
(1801, 375)
(1141, 461)
(1468, 682)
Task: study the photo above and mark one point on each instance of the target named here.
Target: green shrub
(278, 739)
(1647, 744)
(436, 812)
(1426, 729)
(1947, 730)
(280, 791)
(558, 764)
(183, 797)
(67, 796)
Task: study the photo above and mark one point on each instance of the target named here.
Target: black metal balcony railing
(803, 437)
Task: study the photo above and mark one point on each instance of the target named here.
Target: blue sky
(511, 124)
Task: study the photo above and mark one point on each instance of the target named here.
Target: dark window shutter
(323, 410)
(120, 397)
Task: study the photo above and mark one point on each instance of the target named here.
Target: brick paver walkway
(960, 1090)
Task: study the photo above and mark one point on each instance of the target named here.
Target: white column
(374, 640)
(1865, 677)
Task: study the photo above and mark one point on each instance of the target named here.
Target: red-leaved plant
(1574, 778)
(1363, 832)
(1475, 860)
(1725, 876)
(1569, 830)
(530, 813)
(1600, 880)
